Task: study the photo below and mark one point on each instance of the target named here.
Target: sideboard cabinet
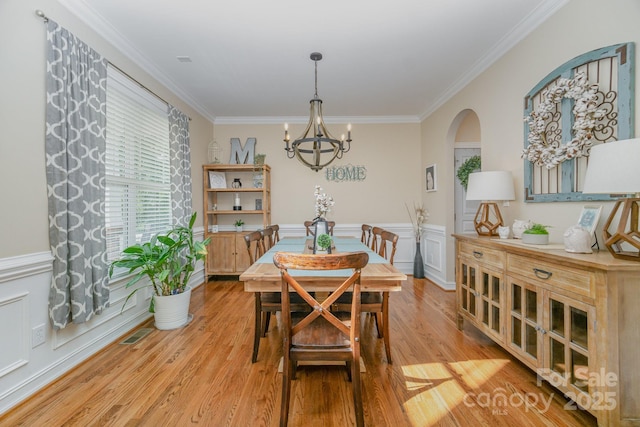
(572, 318)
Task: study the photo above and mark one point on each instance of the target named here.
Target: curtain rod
(44, 17)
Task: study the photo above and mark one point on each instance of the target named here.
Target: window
(138, 193)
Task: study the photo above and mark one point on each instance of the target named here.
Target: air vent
(183, 59)
(137, 336)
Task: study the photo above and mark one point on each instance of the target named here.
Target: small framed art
(217, 179)
(589, 217)
(431, 178)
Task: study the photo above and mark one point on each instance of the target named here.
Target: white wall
(496, 96)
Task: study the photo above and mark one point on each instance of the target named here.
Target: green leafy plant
(239, 223)
(470, 165)
(537, 229)
(168, 260)
(324, 241)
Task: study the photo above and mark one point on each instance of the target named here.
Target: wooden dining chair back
(265, 302)
(268, 237)
(376, 303)
(255, 245)
(387, 245)
(321, 335)
(366, 235)
(375, 238)
(276, 233)
(310, 227)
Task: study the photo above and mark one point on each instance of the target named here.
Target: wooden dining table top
(377, 275)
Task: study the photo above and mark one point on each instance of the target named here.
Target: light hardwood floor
(202, 374)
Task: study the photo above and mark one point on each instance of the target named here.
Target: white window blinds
(138, 198)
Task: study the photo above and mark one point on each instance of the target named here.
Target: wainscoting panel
(24, 293)
(434, 254)
(14, 316)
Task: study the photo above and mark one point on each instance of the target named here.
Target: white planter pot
(172, 311)
(535, 239)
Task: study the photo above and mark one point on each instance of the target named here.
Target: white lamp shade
(614, 167)
(490, 185)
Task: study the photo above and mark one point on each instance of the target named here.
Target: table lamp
(614, 168)
(489, 186)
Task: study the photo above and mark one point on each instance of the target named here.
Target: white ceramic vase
(172, 311)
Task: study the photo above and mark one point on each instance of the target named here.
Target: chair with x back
(321, 335)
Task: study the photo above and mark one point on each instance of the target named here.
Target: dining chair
(265, 302)
(375, 238)
(309, 226)
(366, 234)
(276, 233)
(268, 237)
(321, 335)
(376, 303)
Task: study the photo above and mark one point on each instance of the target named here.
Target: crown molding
(105, 30)
(327, 119)
(515, 36)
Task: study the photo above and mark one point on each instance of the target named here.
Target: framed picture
(217, 179)
(589, 218)
(431, 178)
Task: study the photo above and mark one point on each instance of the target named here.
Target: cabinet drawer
(490, 257)
(555, 275)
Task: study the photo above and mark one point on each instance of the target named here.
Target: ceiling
(249, 59)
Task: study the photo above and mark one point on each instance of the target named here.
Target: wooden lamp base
(488, 219)
(627, 231)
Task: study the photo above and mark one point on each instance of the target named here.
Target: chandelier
(316, 141)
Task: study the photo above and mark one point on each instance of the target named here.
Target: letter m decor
(240, 156)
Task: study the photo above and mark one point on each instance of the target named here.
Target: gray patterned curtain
(75, 150)
(180, 166)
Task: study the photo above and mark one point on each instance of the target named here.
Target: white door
(465, 211)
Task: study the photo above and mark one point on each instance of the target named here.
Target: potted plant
(239, 223)
(324, 241)
(168, 260)
(537, 234)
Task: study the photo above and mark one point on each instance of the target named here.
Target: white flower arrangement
(585, 111)
(324, 202)
(421, 218)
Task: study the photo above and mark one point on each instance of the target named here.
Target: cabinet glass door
(523, 322)
(568, 342)
(468, 288)
(491, 300)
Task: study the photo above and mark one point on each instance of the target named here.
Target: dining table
(379, 275)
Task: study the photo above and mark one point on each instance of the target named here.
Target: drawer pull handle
(542, 274)
(477, 254)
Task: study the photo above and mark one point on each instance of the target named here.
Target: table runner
(342, 244)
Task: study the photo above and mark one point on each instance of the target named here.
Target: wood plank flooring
(202, 375)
